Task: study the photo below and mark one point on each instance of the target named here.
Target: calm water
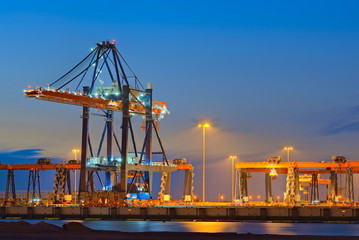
(325, 229)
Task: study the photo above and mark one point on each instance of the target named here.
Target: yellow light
(288, 148)
(273, 172)
(233, 157)
(205, 125)
(75, 151)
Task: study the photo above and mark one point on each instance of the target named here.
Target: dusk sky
(264, 74)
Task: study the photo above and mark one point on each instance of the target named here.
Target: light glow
(273, 173)
(288, 149)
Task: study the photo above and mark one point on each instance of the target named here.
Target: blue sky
(265, 73)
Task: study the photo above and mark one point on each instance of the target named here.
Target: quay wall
(333, 213)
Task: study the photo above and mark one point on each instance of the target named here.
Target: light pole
(288, 148)
(75, 151)
(204, 126)
(233, 158)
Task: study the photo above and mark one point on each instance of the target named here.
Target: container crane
(103, 80)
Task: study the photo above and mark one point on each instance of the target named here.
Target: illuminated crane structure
(300, 176)
(62, 183)
(104, 81)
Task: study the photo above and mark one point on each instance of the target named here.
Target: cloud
(20, 156)
(349, 122)
(339, 128)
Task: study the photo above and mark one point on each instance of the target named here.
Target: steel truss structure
(103, 80)
(300, 175)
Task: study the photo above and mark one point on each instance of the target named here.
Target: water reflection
(282, 228)
(210, 227)
(324, 229)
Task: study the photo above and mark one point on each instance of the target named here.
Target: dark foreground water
(324, 229)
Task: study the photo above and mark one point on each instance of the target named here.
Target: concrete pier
(333, 213)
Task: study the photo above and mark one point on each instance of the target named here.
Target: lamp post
(233, 158)
(75, 151)
(204, 126)
(288, 148)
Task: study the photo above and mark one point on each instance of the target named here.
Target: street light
(204, 126)
(233, 158)
(75, 151)
(222, 198)
(288, 148)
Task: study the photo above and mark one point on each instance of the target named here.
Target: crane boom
(80, 99)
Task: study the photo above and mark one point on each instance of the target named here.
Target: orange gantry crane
(62, 182)
(273, 166)
(282, 167)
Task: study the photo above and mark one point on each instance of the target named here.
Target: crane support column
(61, 182)
(33, 186)
(165, 188)
(236, 185)
(124, 143)
(110, 176)
(268, 186)
(10, 195)
(314, 193)
(349, 186)
(168, 183)
(85, 127)
(148, 150)
(292, 186)
(188, 185)
(150, 184)
(243, 186)
(333, 186)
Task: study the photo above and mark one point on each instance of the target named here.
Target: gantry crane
(310, 172)
(62, 184)
(103, 80)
